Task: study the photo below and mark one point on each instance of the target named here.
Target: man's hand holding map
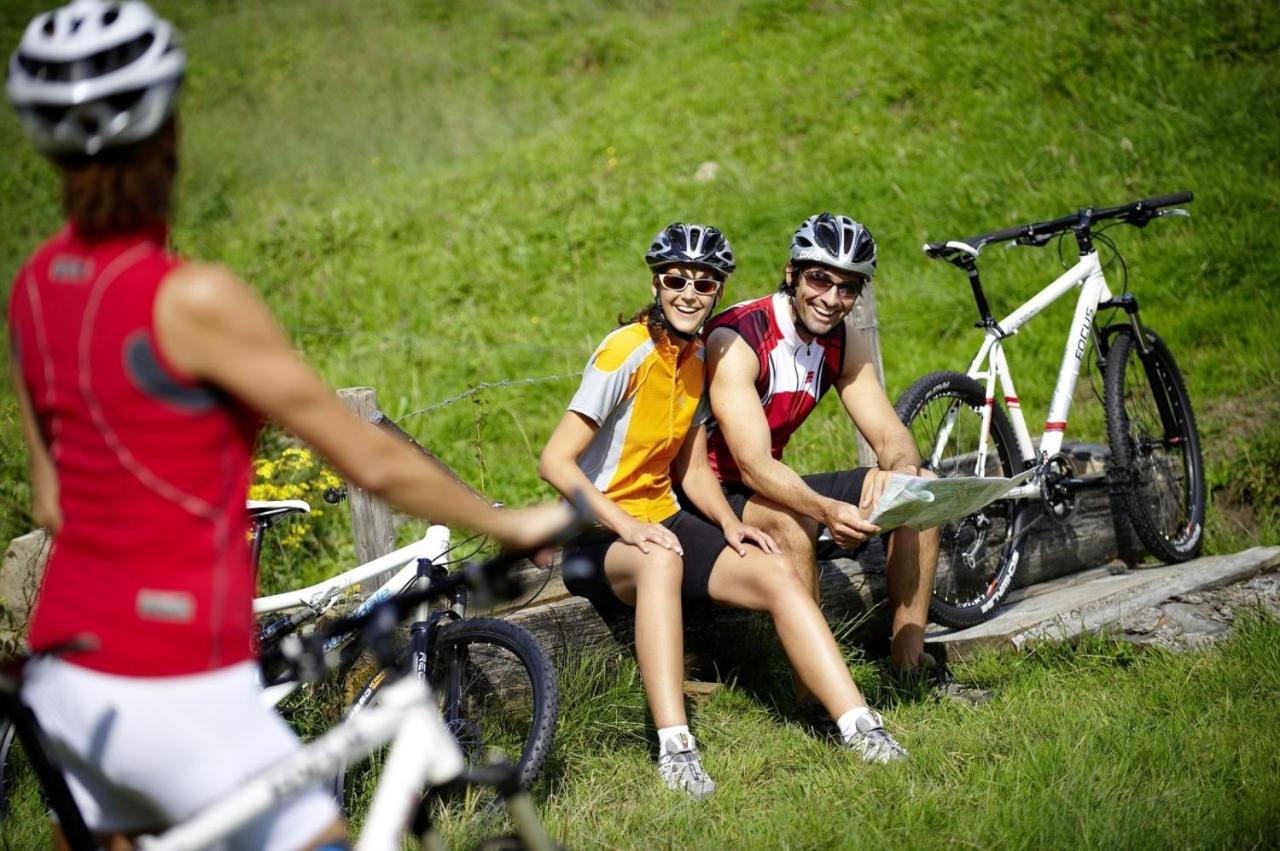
(924, 503)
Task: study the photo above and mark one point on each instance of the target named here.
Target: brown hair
(122, 189)
(651, 316)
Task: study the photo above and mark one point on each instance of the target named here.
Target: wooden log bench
(854, 593)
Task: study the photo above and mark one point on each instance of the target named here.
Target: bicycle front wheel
(495, 688)
(978, 554)
(1156, 466)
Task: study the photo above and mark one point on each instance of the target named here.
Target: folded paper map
(924, 503)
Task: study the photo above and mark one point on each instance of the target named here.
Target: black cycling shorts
(702, 542)
(844, 485)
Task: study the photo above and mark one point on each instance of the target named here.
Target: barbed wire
(405, 338)
(487, 385)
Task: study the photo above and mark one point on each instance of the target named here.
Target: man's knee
(795, 536)
(777, 580)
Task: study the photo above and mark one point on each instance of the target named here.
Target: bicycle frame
(432, 545)
(423, 754)
(990, 367)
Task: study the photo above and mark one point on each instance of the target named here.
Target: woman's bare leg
(651, 583)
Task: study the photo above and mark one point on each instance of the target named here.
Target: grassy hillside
(431, 195)
(434, 195)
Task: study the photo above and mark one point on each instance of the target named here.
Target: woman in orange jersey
(635, 430)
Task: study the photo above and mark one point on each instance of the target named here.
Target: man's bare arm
(868, 406)
(733, 369)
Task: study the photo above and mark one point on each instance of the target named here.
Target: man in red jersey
(142, 380)
(770, 361)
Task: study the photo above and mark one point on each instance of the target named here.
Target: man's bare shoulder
(728, 354)
(721, 340)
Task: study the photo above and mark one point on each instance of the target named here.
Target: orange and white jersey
(645, 396)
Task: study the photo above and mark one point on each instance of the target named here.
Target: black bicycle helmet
(691, 245)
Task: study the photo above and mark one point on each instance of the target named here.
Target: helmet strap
(660, 316)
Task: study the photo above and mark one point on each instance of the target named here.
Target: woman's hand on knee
(738, 535)
(645, 535)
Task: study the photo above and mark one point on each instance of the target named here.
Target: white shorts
(142, 753)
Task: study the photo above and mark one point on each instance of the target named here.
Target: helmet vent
(49, 28)
(109, 16)
(126, 100)
(101, 63)
(75, 24)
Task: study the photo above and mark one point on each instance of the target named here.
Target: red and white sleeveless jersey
(153, 467)
(793, 375)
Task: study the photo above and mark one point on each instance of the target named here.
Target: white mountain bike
(495, 685)
(423, 755)
(1155, 470)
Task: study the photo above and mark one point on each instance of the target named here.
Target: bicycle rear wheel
(496, 689)
(1156, 467)
(978, 554)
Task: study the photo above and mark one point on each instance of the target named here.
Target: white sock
(677, 738)
(848, 722)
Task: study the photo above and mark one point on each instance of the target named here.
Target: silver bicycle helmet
(692, 245)
(92, 75)
(835, 241)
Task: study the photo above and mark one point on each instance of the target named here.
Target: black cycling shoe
(936, 679)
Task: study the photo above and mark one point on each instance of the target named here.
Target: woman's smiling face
(687, 295)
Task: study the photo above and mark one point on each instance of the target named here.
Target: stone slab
(1098, 598)
(20, 574)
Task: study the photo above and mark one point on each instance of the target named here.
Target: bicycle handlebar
(1037, 233)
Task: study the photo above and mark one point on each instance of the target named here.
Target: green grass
(430, 199)
(431, 196)
(1097, 743)
(1094, 744)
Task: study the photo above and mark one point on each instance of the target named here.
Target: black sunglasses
(679, 283)
(822, 281)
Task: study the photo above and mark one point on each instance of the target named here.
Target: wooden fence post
(868, 327)
(371, 524)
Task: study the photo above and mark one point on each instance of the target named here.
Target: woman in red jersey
(142, 380)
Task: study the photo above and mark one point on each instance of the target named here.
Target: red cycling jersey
(793, 374)
(153, 467)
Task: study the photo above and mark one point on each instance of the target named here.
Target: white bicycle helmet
(94, 75)
(835, 241)
(693, 245)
